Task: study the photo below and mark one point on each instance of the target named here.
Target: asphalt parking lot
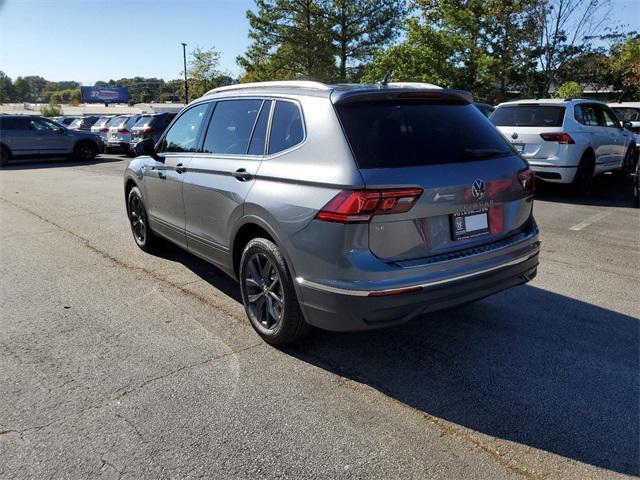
(118, 364)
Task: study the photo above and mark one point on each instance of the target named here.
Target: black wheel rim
(138, 219)
(264, 293)
(85, 151)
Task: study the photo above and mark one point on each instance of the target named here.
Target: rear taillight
(147, 131)
(559, 137)
(635, 130)
(104, 129)
(123, 130)
(527, 179)
(351, 206)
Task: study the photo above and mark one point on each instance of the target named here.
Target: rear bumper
(123, 146)
(340, 309)
(554, 173)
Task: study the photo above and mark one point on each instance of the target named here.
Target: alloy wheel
(138, 219)
(264, 290)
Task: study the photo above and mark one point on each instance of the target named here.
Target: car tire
(629, 162)
(269, 295)
(583, 180)
(4, 156)
(139, 221)
(85, 151)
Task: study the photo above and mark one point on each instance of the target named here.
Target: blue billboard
(105, 94)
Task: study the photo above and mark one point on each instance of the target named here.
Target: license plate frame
(470, 224)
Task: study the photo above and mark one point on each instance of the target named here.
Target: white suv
(566, 141)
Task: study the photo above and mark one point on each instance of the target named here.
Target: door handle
(180, 168)
(242, 174)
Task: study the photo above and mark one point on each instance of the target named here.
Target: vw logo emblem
(514, 135)
(477, 189)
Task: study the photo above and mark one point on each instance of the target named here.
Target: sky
(90, 40)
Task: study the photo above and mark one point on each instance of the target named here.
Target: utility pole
(186, 86)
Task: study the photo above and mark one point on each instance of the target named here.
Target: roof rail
(274, 84)
(413, 85)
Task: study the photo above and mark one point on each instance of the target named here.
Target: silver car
(345, 207)
(36, 136)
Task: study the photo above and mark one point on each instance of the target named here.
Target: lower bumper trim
(367, 293)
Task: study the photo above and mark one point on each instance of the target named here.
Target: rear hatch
(142, 129)
(464, 181)
(524, 124)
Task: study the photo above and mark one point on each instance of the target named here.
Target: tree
(7, 93)
(359, 28)
(568, 90)
(51, 110)
(203, 72)
(291, 39)
(625, 67)
(568, 28)
(22, 90)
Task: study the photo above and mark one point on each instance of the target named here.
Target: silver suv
(345, 207)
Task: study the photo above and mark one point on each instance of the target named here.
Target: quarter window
(231, 126)
(286, 127)
(183, 135)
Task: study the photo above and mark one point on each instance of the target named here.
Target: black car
(150, 126)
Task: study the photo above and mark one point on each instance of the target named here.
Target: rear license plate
(469, 224)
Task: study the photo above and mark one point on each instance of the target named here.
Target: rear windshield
(627, 114)
(143, 121)
(130, 122)
(76, 123)
(390, 134)
(528, 116)
(115, 121)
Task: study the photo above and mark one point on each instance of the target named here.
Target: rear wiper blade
(482, 153)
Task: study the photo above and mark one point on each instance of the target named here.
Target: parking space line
(589, 221)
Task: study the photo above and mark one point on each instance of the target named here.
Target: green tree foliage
(291, 39)
(51, 110)
(204, 73)
(7, 93)
(625, 67)
(324, 40)
(359, 28)
(568, 90)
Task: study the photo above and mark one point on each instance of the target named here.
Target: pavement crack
(149, 381)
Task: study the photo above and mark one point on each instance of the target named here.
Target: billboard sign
(105, 94)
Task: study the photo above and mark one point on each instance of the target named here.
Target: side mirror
(626, 125)
(146, 147)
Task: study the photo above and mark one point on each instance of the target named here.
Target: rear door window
(287, 129)
(13, 123)
(528, 116)
(231, 126)
(405, 133)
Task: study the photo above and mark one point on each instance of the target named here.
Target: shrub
(568, 90)
(51, 110)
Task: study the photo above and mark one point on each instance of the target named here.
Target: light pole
(186, 87)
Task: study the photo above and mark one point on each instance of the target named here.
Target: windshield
(401, 133)
(627, 114)
(528, 116)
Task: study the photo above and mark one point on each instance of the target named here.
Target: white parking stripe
(589, 221)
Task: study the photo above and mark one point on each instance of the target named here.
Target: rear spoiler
(400, 93)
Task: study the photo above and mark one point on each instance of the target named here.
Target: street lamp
(186, 87)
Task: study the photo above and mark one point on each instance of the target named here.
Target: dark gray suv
(345, 207)
(35, 136)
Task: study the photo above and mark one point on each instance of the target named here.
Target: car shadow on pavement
(608, 191)
(36, 163)
(526, 365)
